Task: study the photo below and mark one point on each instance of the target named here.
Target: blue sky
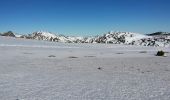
(84, 17)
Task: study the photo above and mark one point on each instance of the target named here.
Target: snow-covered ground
(41, 70)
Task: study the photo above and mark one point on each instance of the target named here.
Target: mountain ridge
(127, 38)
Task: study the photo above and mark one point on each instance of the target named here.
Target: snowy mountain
(119, 38)
(47, 36)
(130, 38)
(127, 38)
(40, 35)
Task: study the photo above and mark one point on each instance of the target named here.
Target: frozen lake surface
(40, 70)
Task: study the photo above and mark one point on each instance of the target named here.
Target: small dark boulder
(160, 53)
(99, 68)
(51, 56)
(72, 57)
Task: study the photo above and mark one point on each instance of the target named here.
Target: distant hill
(159, 33)
(9, 33)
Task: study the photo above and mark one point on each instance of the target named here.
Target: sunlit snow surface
(29, 72)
